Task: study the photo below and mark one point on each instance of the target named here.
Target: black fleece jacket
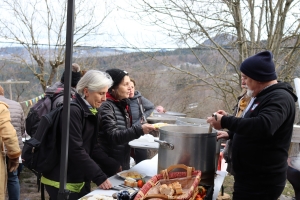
(262, 137)
(81, 167)
(116, 130)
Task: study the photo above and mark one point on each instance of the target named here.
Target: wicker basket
(189, 181)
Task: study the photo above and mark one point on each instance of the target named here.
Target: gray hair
(94, 80)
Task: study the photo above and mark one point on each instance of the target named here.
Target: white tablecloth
(149, 167)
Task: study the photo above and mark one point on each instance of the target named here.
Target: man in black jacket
(262, 136)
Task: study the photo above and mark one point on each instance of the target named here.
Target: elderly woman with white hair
(83, 129)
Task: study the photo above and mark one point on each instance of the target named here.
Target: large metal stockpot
(189, 145)
(191, 122)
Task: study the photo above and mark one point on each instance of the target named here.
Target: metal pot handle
(165, 144)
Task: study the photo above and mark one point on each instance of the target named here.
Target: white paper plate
(123, 174)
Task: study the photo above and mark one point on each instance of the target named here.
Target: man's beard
(249, 93)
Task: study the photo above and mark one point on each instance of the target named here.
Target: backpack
(42, 107)
(41, 153)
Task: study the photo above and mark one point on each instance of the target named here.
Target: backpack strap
(82, 112)
(144, 120)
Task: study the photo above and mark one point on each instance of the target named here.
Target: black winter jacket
(116, 130)
(81, 167)
(135, 107)
(262, 137)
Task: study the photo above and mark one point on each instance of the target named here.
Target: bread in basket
(187, 182)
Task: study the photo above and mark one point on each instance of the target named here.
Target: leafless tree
(228, 31)
(40, 27)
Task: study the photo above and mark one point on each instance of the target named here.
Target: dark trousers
(293, 177)
(53, 192)
(246, 192)
(140, 155)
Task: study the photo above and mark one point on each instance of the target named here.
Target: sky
(122, 30)
(119, 29)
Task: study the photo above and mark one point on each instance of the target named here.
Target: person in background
(83, 130)
(262, 136)
(18, 122)
(243, 101)
(58, 87)
(141, 108)
(160, 109)
(116, 127)
(9, 146)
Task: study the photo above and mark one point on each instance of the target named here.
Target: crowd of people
(111, 113)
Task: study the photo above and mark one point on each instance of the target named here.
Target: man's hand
(13, 164)
(222, 134)
(222, 112)
(215, 121)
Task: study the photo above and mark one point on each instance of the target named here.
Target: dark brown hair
(132, 80)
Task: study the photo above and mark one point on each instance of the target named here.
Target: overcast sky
(122, 30)
(119, 30)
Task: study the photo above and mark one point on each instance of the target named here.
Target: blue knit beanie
(260, 67)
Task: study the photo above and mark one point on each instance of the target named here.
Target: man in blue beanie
(262, 136)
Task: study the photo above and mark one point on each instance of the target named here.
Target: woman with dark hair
(141, 108)
(116, 127)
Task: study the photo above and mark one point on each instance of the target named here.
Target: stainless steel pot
(192, 146)
(191, 122)
(162, 119)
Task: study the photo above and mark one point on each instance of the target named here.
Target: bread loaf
(130, 182)
(177, 187)
(164, 189)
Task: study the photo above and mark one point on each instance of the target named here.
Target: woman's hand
(105, 185)
(148, 128)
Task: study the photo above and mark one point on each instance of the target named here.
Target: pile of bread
(171, 189)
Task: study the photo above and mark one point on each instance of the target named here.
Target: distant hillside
(95, 51)
(222, 39)
(11, 52)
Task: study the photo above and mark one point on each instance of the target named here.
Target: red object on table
(220, 161)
